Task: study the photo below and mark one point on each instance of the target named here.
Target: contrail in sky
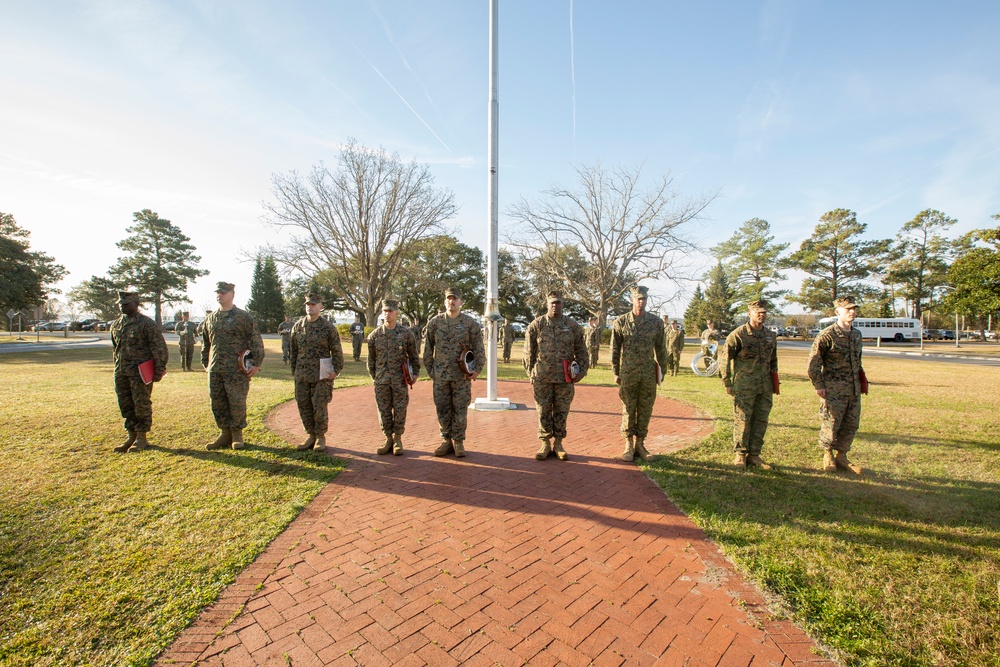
(572, 73)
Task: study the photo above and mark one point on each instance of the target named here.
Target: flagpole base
(484, 404)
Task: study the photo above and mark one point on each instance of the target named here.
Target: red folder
(864, 382)
(408, 375)
(570, 370)
(775, 382)
(146, 370)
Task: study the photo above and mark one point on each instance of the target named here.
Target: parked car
(813, 332)
(169, 325)
(946, 334)
(51, 326)
(991, 335)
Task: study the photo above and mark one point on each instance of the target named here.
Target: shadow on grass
(321, 468)
(901, 438)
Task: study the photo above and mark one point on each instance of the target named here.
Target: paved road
(911, 353)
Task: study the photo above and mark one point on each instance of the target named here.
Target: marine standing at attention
(186, 331)
(447, 339)
(390, 347)
(228, 333)
(675, 345)
(594, 339)
(313, 340)
(507, 339)
(357, 331)
(553, 344)
(285, 331)
(136, 339)
(637, 345)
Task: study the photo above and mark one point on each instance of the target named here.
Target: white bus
(898, 329)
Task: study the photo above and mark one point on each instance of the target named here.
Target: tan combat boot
(459, 447)
(308, 444)
(141, 444)
(397, 444)
(756, 461)
(386, 446)
(544, 451)
(320, 443)
(843, 464)
(224, 440)
(122, 448)
(558, 450)
(741, 460)
(640, 450)
(444, 447)
(629, 453)
(829, 465)
(237, 438)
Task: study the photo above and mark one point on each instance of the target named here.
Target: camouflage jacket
(507, 334)
(548, 343)
(444, 338)
(675, 339)
(594, 337)
(747, 358)
(635, 343)
(388, 350)
(312, 341)
(135, 340)
(226, 333)
(709, 336)
(186, 330)
(285, 329)
(357, 331)
(835, 362)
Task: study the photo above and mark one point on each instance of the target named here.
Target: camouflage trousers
(286, 345)
(452, 398)
(229, 399)
(134, 402)
(637, 405)
(186, 346)
(313, 399)
(839, 420)
(673, 363)
(506, 351)
(552, 401)
(392, 398)
(356, 343)
(595, 353)
(750, 414)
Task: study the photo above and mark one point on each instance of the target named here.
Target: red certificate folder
(775, 382)
(146, 370)
(864, 382)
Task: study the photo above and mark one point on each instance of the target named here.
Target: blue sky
(786, 109)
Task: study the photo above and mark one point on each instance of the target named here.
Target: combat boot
(756, 461)
(459, 447)
(386, 446)
(829, 465)
(741, 460)
(444, 448)
(629, 453)
(558, 450)
(843, 464)
(223, 441)
(320, 443)
(237, 438)
(141, 444)
(122, 448)
(308, 444)
(544, 451)
(397, 444)
(640, 449)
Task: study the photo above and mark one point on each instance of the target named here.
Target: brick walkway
(497, 559)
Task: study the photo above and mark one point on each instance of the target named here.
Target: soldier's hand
(729, 390)
(253, 371)
(821, 393)
(474, 376)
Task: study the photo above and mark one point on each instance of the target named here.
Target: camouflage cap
(640, 291)
(759, 304)
(390, 304)
(222, 286)
(554, 295)
(128, 297)
(845, 302)
(312, 297)
(453, 291)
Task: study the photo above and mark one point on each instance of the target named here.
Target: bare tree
(352, 228)
(624, 233)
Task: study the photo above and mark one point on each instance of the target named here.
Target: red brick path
(497, 559)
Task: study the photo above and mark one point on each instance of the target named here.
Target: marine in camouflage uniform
(229, 331)
(357, 332)
(637, 345)
(709, 336)
(445, 336)
(507, 335)
(418, 333)
(552, 339)
(835, 371)
(746, 361)
(186, 331)
(389, 347)
(285, 331)
(594, 335)
(135, 339)
(314, 338)
(675, 345)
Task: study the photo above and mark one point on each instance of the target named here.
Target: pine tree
(720, 298)
(266, 303)
(694, 316)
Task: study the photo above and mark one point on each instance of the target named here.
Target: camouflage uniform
(444, 339)
(594, 335)
(635, 342)
(418, 332)
(547, 343)
(227, 333)
(310, 342)
(708, 336)
(186, 331)
(134, 340)
(388, 350)
(835, 365)
(507, 340)
(285, 331)
(357, 331)
(746, 361)
(675, 345)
